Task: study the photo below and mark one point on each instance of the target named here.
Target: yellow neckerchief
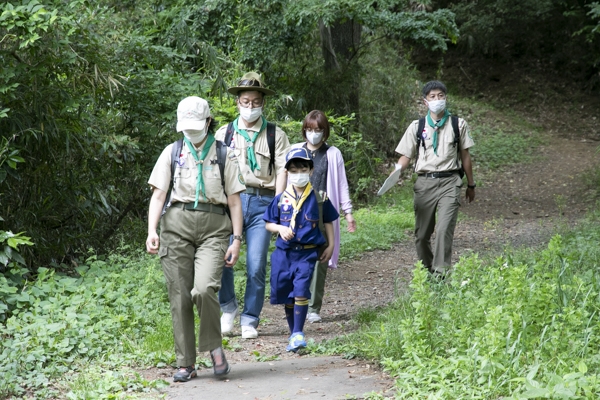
(290, 194)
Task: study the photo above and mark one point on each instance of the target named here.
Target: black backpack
(176, 151)
(455, 128)
(270, 141)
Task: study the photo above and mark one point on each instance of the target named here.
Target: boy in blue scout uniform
(294, 216)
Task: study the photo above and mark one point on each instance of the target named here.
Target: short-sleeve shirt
(186, 173)
(446, 158)
(258, 178)
(307, 220)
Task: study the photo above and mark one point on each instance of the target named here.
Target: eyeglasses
(255, 103)
(315, 131)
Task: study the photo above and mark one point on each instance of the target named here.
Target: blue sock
(289, 315)
(300, 311)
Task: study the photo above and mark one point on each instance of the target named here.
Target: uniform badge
(241, 178)
(424, 134)
(181, 161)
(285, 207)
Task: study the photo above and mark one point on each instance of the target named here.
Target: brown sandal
(223, 367)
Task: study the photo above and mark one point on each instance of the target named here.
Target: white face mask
(194, 135)
(299, 179)
(436, 106)
(314, 137)
(250, 114)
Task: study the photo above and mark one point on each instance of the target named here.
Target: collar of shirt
(255, 127)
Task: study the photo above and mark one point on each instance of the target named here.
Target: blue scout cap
(299, 153)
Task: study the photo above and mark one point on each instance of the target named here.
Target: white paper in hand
(390, 182)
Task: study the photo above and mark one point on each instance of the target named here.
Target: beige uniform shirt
(446, 158)
(259, 179)
(186, 172)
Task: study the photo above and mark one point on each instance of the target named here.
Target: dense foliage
(88, 92)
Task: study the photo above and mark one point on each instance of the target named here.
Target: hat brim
(310, 161)
(190, 125)
(237, 89)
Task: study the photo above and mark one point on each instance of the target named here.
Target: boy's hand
(327, 253)
(286, 233)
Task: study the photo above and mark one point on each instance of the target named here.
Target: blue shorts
(291, 273)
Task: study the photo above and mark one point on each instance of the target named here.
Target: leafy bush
(63, 324)
(524, 325)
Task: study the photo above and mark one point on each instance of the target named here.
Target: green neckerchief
(199, 162)
(436, 127)
(250, 142)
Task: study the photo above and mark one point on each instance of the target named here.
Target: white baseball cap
(192, 113)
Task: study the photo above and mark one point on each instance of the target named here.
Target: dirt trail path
(519, 206)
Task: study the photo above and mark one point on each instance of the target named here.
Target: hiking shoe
(221, 368)
(297, 342)
(185, 374)
(227, 321)
(249, 332)
(313, 317)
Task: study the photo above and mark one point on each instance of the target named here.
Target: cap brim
(236, 89)
(311, 162)
(190, 124)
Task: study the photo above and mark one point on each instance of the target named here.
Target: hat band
(250, 82)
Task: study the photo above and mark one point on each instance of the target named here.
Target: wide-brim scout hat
(298, 153)
(192, 113)
(250, 81)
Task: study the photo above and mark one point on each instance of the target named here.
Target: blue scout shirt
(307, 220)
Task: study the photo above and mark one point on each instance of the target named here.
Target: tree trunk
(339, 44)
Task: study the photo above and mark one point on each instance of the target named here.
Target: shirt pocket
(311, 216)
(262, 160)
(285, 215)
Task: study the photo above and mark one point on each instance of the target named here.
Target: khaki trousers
(431, 195)
(192, 247)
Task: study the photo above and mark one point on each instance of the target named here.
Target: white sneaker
(227, 321)
(313, 317)
(248, 332)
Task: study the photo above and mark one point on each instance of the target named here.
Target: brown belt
(206, 207)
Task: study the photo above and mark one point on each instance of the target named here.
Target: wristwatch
(237, 237)
(472, 186)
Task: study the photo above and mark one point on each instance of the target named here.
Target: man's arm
(280, 182)
(237, 220)
(468, 167)
(402, 161)
(156, 205)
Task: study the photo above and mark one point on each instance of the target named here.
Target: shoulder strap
(420, 141)
(175, 152)
(228, 134)
(271, 143)
(320, 200)
(455, 127)
(221, 158)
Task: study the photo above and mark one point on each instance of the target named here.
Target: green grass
(520, 325)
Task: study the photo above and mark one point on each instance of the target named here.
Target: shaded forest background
(88, 90)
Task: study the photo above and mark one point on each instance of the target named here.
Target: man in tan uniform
(249, 140)
(194, 234)
(439, 183)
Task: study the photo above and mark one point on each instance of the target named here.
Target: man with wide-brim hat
(260, 148)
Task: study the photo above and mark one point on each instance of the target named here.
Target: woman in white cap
(200, 191)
